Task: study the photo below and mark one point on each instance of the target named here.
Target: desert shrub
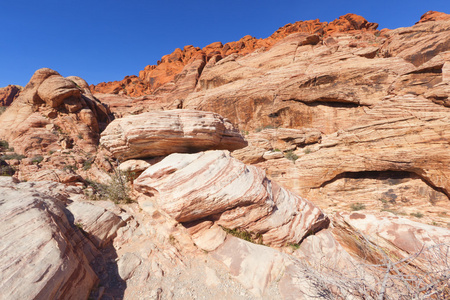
(393, 211)
(291, 155)
(2, 109)
(417, 215)
(357, 206)
(12, 156)
(72, 168)
(294, 246)
(116, 189)
(37, 159)
(4, 145)
(5, 169)
(260, 128)
(87, 164)
(251, 237)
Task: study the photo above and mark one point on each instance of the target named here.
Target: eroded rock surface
(51, 109)
(8, 94)
(212, 185)
(41, 255)
(171, 66)
(347, 116)
(161, 133)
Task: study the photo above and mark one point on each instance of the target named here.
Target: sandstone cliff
(336, 184)
(171, 65)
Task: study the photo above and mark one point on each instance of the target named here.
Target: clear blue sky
(102, 40)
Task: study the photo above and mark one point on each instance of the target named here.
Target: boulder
(213, 185)
(55, 89)
(41, 255)
(161, 133)
(53, 114)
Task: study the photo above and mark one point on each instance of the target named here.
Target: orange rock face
(433, 16)
(8, 94)
(166, 70)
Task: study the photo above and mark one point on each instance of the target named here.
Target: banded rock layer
(164, 132)
(172, 65)
(213, 186)
(41, 256)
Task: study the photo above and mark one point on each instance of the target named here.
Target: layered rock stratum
(311, 164)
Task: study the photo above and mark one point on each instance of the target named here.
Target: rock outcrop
(8, 94)
(56, 124)
(170, 66)
(348, 117)
(231, 194)
(176, 131)
(52, 111)
(41, 255)
(433, 16)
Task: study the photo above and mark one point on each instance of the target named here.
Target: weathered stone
(212, 184)
(136, 166)
(100, 224)
(8, 94)
(161, 133)
(41, 255)
(55, 89)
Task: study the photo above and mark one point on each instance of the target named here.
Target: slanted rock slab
(41, 255)
(212, 184)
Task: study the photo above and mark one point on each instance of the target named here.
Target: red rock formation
(154, 76)
(433, 16)
(8, 94)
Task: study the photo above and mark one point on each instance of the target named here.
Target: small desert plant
(417, 215)
(251, 237)
(2, 109)
(72, 168)
(5, 169)
(116, 189)
(37, 159)
(393, 211)
(87, 164)
(172, 240)
(12, 156)
(294, 246)
(357, 206)
(307, 151)
(291, 155)
(260, 128)
(4, 145)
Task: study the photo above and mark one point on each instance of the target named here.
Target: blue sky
(106, 40)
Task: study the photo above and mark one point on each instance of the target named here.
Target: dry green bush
(116, 189)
